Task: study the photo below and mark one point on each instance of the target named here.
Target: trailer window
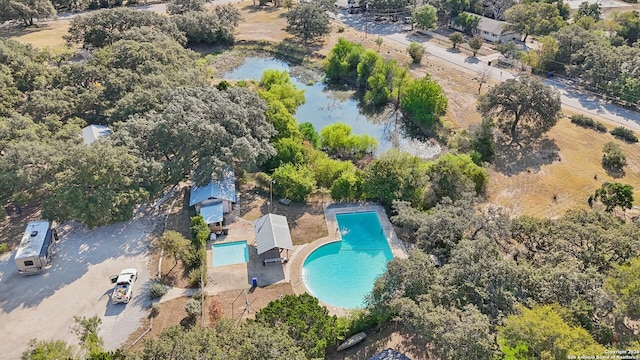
(28, 263)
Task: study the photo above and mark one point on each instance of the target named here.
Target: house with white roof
(490, 29)
(92, 133)
(215, 199)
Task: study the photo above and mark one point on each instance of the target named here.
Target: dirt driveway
(77, 284)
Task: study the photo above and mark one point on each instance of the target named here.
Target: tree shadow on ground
(528, 155)
(259, 8)
(19, 29)
(616, 173)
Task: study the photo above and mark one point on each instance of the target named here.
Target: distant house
(490, 29)
(92, 133)
(215, 199)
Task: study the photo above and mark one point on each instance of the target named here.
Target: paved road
(580, 101)
(77, 284)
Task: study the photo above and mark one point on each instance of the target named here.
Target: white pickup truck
(124, 286)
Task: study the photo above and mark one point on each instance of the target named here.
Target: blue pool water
(342, 273)
(230, 253)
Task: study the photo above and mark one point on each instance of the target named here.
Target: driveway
(77, 284)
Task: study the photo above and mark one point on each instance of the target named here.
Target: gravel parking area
(77, 283)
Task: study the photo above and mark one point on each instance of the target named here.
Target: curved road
(571, 97)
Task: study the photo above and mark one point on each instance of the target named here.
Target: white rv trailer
(36, 247)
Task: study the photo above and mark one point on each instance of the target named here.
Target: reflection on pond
(324, 106)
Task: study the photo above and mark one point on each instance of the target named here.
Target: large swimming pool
(342, 273)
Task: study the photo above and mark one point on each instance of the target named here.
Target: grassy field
(42, 35)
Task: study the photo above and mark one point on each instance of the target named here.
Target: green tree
(87, 331)
(454, 333)
(174, 244)
(27, 11)
(393, 176)
(623, 283)
(475, 43)
(202, 27)
(534, 19)
(309, 21)
(46, 350)
(176, 7)
(281, 119)
(250, 340)
(309, 133)
(341, 65)
(614, 195)
(468, 22)
(104, 27)
(453, 175)
(629, 22)
(424, 101)
(288, 151)
(613, 158)
(546, 335)
(337, 138)
(526, 103)
(425, 17)
(95, 185)
(277, 85)
(348, 186)
(542, 59)
(293, 182)
(308, 323)
(379, 42)
(202, 131)
(587, 9)
(327, 170)
(456, 38)
(416, 51)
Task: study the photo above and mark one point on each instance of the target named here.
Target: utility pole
(271, 182)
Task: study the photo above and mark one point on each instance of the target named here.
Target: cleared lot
(77, 284)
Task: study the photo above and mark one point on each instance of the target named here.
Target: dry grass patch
(306, 221)
(261, 23)
(232, 303)
(554, 186)
(42, 35)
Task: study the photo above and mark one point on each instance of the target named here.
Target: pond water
(324, 107)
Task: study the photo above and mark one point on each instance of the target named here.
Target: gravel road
(42, 306)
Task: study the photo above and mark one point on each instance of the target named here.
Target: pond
(324, 106)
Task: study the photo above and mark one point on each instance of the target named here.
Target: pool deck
(397, 247)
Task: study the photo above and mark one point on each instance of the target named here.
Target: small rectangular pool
(231, 253)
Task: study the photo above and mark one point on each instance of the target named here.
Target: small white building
(490, 29)
(215, 199)
(273, 236)
(92, 133)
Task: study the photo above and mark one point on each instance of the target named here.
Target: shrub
(199, 232)
(613, 157)
(624, 134)
(193, 308)
(157, 290)
(416, 51)
(155, 310)
(262, 179)
(4, 248)
(587, 122)
(293, 182)
(340, 29)
(215, 311)
(194, 277)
